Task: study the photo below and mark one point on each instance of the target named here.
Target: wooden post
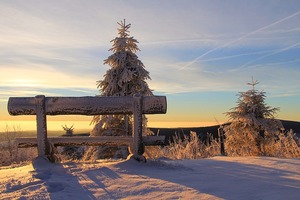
(42, 143)
(137, 147)
(127, 124)
(221, 139)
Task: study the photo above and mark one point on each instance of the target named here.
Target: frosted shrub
(190, 147)
(9, 153)
(250, 143)
(241, 142)
(285, 146)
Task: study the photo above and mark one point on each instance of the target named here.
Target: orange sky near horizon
(85, 125)
(192, 113)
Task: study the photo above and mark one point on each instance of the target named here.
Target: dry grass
(190, 147)
(279, 144)
(285, 145)
(9, 153)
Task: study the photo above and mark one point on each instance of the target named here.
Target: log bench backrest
(87, 105)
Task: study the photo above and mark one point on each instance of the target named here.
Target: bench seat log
(90, 141)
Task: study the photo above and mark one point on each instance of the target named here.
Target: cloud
(42, 78)
(50, 80)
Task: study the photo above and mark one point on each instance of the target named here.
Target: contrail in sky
(275, 63)
(240, 38)
(270, 54)
(236, 55)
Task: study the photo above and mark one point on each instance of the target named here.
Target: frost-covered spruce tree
(126, 77)
(252, 124)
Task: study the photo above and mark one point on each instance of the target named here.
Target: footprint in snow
(55, 187)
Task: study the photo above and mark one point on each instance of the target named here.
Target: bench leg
(137, 147)
(42, 141)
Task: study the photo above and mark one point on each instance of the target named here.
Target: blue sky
(200, 53)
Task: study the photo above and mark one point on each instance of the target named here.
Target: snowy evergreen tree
(252, 123)
(126, 77)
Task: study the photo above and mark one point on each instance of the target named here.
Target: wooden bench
(42, 106)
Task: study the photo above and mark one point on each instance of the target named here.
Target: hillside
(215, 178)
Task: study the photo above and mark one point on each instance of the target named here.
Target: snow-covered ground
(214, 178)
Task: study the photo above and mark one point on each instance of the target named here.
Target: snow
(213, 178)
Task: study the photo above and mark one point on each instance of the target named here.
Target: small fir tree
(69, 131)
(126, 77)
(252, 123)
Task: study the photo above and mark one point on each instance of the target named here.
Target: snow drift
(214, 178)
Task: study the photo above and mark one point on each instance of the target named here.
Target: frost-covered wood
(90, 141)
(43, 149)
(137, 147)
(42, 106)
(221, 140)
(87, 105)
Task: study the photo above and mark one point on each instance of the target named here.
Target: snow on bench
(42, 106)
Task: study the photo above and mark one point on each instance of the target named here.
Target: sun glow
(25, 83)
(30, 125)
(51, 125)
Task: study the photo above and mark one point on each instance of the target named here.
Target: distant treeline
(202, 131)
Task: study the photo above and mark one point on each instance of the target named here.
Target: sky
(200, 53)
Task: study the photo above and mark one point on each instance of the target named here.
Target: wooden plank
(90, 141)
(90, 105)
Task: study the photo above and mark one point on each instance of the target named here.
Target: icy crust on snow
(214, 178)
